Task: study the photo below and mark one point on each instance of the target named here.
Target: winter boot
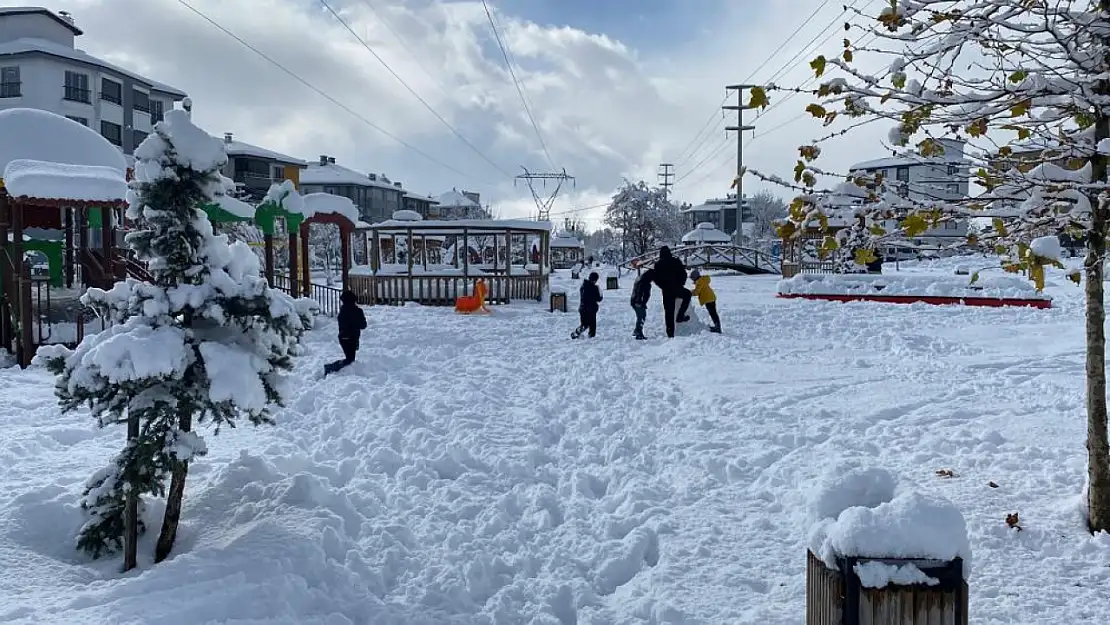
(577, 333)
(715, 330)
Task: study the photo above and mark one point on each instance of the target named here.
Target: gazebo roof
(31, 134)
(706, 232)
(49, 157)
(566, 241)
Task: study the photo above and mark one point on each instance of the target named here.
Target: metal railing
(77, 94)
(11, 89)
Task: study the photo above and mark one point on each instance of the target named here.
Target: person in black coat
(670, 277)
(589, 302)
(352, 321)
(641, 293)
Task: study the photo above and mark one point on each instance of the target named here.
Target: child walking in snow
(352, 321)
(641, 292)
(588, 304)
(706, 297)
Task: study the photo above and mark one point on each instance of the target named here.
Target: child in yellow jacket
(706, 297)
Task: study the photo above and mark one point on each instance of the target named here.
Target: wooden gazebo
(500, 252)
(56, 176)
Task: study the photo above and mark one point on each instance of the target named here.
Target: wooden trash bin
(558, 302)
(838, 597)
(611, 283)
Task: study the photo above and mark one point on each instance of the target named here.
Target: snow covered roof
(417, 196)
(455, 198)
(27, 45)
(711, 206)
(31, 134)
(242, 148)
(407, 215)
(324, 203)
(333, 173)
(706, 232)
(566, 241)
(236, 207)
(43, 10)
(59, 181)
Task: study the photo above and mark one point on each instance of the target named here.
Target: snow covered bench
(992, 291)
(879, 557)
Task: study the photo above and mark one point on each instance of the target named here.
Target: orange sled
(468, 304)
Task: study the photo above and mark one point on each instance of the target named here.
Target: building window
(277, 173)
(77, 88)
(138, 136)
(953, 189)
(84, 121)
(9, 82)
(951, 225)
(112, 132)
(157, 111)
(953, 170)
(903, 174)
(142, 101)
(111, 91)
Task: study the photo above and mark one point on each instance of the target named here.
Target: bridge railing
(710, 254)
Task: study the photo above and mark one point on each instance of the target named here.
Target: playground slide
(468, 304)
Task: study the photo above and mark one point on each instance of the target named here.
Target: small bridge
(712, 256)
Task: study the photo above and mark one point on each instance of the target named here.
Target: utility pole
(665, 174)
(739, 128)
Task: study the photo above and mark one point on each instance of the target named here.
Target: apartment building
(939, 178)
(41, 68)
(376, 196)
(254, 169)
(457, 204)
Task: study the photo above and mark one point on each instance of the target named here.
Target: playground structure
(745, 260)
(468, 304)
(511, 257)
(62, 194)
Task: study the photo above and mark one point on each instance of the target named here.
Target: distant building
(457, 204)
(41, 68)
(254, 169)
(425, 205)
(376, 196)
(721, 212)
(940, 178)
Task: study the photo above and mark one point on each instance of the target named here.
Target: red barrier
(992, 302)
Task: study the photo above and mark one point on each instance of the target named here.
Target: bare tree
(1025, 82)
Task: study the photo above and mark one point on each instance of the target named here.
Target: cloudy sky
(615, 86)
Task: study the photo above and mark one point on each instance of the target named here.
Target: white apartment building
(940, 178)
(40, 68)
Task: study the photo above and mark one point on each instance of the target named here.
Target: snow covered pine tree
(989, 72)
(207, 340)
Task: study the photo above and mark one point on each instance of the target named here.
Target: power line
(404, 45)
(329, 98)
(411, 90)
(714, 115)
(516, 82)
(711, 155)
(788, 39)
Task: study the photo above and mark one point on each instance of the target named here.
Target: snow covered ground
(488, 469)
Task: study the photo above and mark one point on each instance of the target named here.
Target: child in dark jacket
(641, 293)
(352, 321)
(588, 304)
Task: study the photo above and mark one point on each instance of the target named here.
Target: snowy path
(490, 470)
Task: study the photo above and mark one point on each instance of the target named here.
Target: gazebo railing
(396, 290)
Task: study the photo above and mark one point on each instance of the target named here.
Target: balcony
(77, 94)
(110, 97)
(11, 89)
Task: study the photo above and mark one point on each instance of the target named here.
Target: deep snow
(488, 469)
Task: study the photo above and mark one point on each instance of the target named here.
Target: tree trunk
(1098, 445)
(131, 509)
(173, 501)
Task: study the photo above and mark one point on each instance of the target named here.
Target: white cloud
(606, 110)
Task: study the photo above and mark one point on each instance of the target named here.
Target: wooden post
(408, 259)
(509, 253)
(69, 257)
(306, 266)
(836, 596)
(269, 242)
(294, 266)
(345, 250)
(106, 243)
(7, 280)
(22, 291)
